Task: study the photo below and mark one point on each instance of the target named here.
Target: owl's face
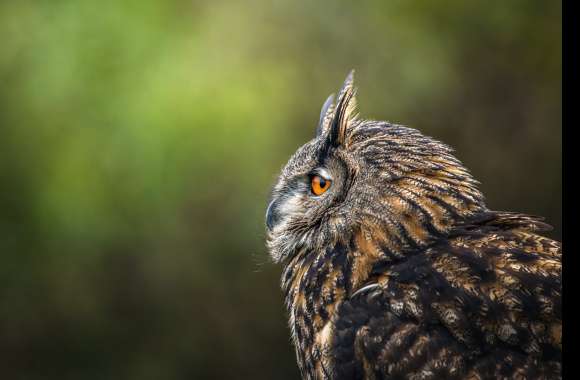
(308, 201)
(355, 175)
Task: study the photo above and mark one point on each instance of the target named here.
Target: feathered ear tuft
(325, 115)
(344, 112)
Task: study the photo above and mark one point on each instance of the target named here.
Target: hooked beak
(272, 215)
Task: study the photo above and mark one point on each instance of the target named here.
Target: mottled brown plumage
(399, 270)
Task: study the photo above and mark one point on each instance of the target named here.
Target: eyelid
(321, 172)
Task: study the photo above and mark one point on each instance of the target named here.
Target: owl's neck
(417, 208)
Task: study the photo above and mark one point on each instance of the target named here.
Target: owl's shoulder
(484, 301)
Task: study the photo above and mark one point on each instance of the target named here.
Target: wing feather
(485, 303)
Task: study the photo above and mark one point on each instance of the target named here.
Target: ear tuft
(344, 112)
(325, 115)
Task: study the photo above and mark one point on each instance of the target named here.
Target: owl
(394, 267)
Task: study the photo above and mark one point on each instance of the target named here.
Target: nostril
(271, 215)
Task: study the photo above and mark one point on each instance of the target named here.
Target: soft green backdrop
(139, 140)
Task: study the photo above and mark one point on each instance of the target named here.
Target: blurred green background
(139, 141)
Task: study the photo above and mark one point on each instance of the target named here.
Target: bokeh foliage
(139, 140)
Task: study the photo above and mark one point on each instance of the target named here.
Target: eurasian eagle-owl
(395, 268)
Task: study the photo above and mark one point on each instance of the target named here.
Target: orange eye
(319, 185)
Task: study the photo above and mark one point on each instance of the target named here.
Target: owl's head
(385, 182)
